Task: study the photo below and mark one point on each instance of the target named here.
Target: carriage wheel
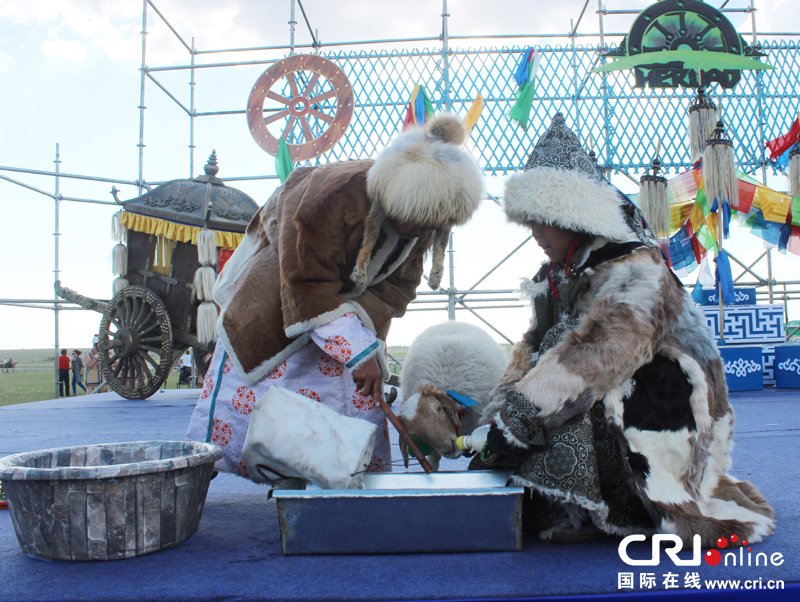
(135, 343)
(320, 100)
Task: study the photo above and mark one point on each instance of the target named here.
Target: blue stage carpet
(236, 554)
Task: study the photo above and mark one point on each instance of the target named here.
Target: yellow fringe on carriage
(173, 231)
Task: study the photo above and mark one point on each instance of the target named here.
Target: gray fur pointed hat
(562, 187)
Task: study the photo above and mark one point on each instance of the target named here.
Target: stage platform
(236, 554)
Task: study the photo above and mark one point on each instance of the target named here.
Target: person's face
(554, 241)
(410, 230)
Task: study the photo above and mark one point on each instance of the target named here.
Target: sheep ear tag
(426, 449)
(462, 400)
(465, 401)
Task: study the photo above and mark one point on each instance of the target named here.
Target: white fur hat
(425, 178)
(562, 187)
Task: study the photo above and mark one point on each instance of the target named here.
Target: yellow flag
(474, 113)
(775, 205)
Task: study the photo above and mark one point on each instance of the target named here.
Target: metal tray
(470, 511)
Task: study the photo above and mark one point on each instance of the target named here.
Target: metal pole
(760, 84)
(785, 307)
(600, 17)
(141, 95)
(451, 292)
(604, 87)
(292, 24)
(448, 103)
(769, 274)
(191, 116)
(56, 271)
(575, 106)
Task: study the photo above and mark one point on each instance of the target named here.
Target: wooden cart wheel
(135, 343)
(312, 81)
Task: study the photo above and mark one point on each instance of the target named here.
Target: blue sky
(69, 74)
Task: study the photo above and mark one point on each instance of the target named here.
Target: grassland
(34, 378)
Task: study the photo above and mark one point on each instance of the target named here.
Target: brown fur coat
(293, 270)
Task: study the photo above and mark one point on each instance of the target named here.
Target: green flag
(521, 111)
(283, 161)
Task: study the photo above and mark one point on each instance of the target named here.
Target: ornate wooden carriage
(152, 318)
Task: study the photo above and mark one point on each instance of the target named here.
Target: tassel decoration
(119, 284)
(654, 203)
(207, 247)
(702, 121)
(119, 233)
(719, 170)
(207, 322)
(204, 280)
(119, 260)
(119, 254)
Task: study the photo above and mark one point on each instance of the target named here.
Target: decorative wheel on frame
(682, 24)
(317, 108)
(135, 343)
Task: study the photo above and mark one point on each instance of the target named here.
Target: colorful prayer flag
(782, 143)
(724, 277)
(283, 161)
(474, 113)
(419, 109)
(525, 77)
(775, 205)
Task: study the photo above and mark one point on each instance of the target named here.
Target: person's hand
(369, 379)
(499, 453)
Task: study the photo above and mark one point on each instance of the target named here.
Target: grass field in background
(35, 377)
(36, 380)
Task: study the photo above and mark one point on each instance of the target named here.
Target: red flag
(698, 249)
(746, 193)
(781, 144)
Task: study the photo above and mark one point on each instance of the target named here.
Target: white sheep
(452, 356)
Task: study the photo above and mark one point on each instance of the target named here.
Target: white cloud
(67, 49)
(5, 59)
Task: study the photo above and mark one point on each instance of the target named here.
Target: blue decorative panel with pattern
(787, 366)
(749, 323)
(744, 296)
(743, 367)
(769, 364)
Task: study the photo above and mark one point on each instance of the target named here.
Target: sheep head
(431, 416)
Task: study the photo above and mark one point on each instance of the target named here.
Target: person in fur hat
(308, 297)
(613, 409)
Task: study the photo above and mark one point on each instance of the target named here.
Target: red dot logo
(722, 542)
(713, 557)
(734, 538)
(744, 543)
